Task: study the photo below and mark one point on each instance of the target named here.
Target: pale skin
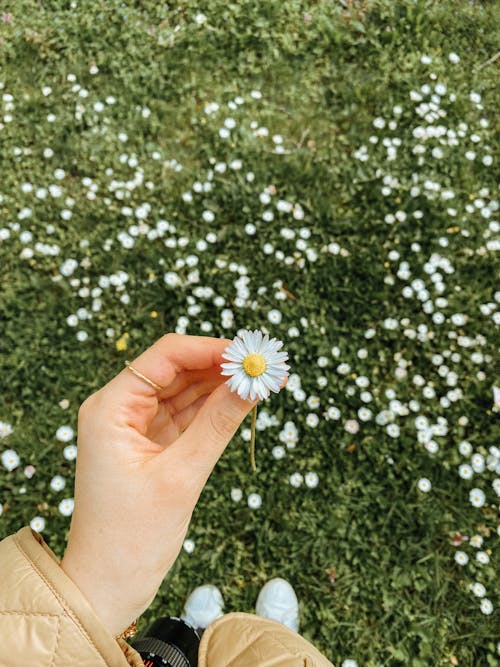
(144, 457)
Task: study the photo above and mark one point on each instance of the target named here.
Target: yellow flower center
(254, 364)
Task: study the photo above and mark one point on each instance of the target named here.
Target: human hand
(143, 459)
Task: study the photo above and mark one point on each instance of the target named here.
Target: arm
(143, 459)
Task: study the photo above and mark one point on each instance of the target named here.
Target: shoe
(203, 606)
(278, 602)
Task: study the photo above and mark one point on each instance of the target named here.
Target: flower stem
(252, 439)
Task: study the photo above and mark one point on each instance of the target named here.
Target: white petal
(261, 388)
(231, 366)
(263, 344)
(233, 355)
(240, 346)
(244, 388)
(271, 381)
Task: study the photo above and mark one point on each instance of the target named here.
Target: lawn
(325, 172)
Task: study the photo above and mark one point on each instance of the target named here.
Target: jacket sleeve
(45, 620)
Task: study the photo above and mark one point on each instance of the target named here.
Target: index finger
(161, 363)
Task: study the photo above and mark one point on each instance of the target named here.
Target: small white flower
(278, 452)
(5, 429)
(57, 483)
(255, 365)
(311, 479)
(479, 590)
(477, 463)
(188, 546)
(66, 506)
(349, 663)
(171, 279)
(486, 606)
(312, 420)
(10, 459)
(69, 452)
(393, 430)
(465, 448)
(461, 557)
(482, 557)
(254, 501)
(37, 523)
(465, 471)
(274, 316)
(64, 433)
(477, 497)
(236, 495)
(352, 426)
(476, 541)
(424, 484)
(296, 479)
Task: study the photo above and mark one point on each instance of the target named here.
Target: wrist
(113, 602)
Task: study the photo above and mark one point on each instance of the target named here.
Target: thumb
(215, 424)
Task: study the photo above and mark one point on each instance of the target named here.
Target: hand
(143, 459)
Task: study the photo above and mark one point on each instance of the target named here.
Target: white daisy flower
(296, 479)
(255, 365)
(278, 452)
(64, 433)
(254, 501)
(477, 497)
(236, 495)
(188, 546)
(57, 483)
(479, 590)
(37, 523)
(424, 485)
(69, 452)
(10, 459)
(476, 541)
(311, 479)
(461, 558)
(5, 429)
(482, 557)
(66, 506)
(486, 606)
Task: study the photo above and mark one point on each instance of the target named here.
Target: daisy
(479, 590)
(255, 365)
(311, 479)
(477, 497)
(424, 485)
(482, 557)
(57, 483)
(486, 606)
(461, 558)
(188, 546)
(236, 495)
(10, 459)
(254, 501)
(66, 506)
(64, 433)
(296, 479)
(37, 523)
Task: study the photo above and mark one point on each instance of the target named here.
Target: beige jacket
(45, 621)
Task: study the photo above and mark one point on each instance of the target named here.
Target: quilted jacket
(45, 621)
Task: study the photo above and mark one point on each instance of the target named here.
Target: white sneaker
(278, 602)
(203, 606)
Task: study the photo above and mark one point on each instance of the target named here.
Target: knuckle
(170, 337)
(87, 407)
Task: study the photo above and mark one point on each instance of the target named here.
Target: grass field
(323, 171)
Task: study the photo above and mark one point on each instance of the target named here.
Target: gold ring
(143, 377)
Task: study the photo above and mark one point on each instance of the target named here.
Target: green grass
(325, 72)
